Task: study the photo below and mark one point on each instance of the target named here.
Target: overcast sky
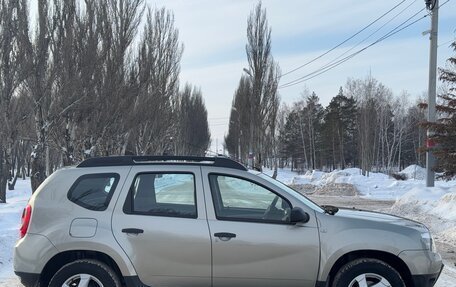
(214, 35)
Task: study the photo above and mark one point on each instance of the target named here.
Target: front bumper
(422, 262)
(428, 280)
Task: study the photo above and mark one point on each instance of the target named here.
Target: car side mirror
(299, 216)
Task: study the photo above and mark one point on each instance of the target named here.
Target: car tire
(97, 273)
(369, 271)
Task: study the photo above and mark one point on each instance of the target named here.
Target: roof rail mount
(153, 159)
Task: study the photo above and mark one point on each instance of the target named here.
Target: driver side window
(242, 200)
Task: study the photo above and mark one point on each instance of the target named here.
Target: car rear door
(160, 222)
(252, 243)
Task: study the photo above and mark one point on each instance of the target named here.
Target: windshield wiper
(329, 209)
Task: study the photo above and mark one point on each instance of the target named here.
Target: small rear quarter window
(93, 191)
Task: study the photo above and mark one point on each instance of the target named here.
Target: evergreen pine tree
(340, 131)
(444, 128)
(290, 138)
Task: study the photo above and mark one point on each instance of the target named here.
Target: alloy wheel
(82, 280)
(369, 280)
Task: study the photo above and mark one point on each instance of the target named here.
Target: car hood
(378, 217)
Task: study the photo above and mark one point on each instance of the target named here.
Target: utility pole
(433, 7)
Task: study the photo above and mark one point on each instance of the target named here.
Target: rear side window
(94, 191)
(162, 194)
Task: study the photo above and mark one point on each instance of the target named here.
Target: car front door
(253, 243)
(160, 222)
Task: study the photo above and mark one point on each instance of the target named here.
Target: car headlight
(428, 241)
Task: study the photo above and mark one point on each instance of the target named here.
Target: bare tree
(35, 66)
(237, 140)
(20, 109)
(264, 75)
(11, 76)
(158, 67)
(118, 21)
(299, 108)
(90, 89)
(365, 92)
(397, 131)
(193, 136)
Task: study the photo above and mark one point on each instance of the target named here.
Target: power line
(443, 3)
(447, 42)
(330, 65)
(373, 33)
(343, 42)
(326, 68)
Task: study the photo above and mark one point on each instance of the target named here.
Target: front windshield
(291, 191)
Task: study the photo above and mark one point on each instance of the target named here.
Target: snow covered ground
(436, 207)
(10, 219)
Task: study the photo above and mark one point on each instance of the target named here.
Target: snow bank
(337, 189)
(433, 206)
(414, 172)
(314, 175)
(446, 206)
(438, 201)
(335, 177)
(284, 175)
(376, 186)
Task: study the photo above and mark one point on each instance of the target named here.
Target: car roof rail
(148, 159)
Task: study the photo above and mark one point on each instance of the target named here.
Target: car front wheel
(367, 272)
(85, 273)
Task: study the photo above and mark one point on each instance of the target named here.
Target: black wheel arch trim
(389, 258)
(65, 257)
(427, 280)
(134, 281)
(28, 279)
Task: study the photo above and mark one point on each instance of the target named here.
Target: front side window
(291, 191)
(94, 191)
(243, 200)
(163, 194)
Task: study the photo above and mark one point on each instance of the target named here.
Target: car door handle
(225, 235)
(132, 230)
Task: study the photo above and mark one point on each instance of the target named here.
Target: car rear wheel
(85, 273)
(366, 272)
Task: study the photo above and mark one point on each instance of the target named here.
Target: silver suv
(200, 221)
